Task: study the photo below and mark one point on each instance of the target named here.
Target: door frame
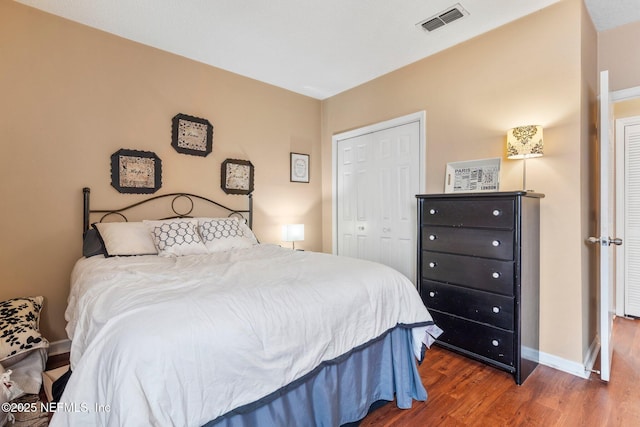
(620, 195)
(420, 117)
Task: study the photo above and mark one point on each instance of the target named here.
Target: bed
(206, 326)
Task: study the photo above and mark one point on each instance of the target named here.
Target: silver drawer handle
(496, 243)
(495, 275)
(432, 294)
(432, 237)
(496, 310)
(496, 212)
(495, 343)
(432, 264)
(432, 211)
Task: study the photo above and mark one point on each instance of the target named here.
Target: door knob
(605, 241)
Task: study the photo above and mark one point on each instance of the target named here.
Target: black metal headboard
(87, 211)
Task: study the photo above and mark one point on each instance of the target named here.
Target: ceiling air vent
(451, 14)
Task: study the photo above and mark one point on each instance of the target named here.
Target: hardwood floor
(463, 392)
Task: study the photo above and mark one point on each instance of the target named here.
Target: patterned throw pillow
(19, 334)
(223, 234)
(176, 237)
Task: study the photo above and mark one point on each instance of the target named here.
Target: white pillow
(176, 237)
(125, 238)
(223, 234)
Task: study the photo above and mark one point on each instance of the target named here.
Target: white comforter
(181, 341)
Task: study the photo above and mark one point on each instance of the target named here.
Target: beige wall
(618, 53)
(71, 96)
(628, 108)
(77, 95)
(536, 70)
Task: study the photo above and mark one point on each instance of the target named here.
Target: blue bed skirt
(341, 391)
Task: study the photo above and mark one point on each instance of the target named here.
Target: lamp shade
(292, 232)
(524, 142)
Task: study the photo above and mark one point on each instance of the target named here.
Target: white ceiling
(608, 14)
(314, 47)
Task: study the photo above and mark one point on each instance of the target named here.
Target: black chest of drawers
(478, 269)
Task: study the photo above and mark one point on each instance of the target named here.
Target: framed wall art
(236, 176)
(472, 176)
(299, 167)
(134, 171)
(192, 135)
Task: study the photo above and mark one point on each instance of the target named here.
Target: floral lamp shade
(524, 142)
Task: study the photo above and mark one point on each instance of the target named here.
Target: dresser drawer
(483, 340)
(480, 273)
(492, 213)
(469, 241)
(484, 307)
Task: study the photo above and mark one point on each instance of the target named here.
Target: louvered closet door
(632, 220)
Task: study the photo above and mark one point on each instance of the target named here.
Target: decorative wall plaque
(192, 135)
(236, 176)
(135, 171)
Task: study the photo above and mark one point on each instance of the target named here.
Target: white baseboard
(59, 347)
(564, 365)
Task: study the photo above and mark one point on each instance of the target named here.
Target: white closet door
(632, 220)
(378, 177)
(397, 159)
(353, 185)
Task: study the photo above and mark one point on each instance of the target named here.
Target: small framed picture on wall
(299, 167)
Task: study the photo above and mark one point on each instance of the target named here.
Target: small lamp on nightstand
(293, 233)
(523, 143)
